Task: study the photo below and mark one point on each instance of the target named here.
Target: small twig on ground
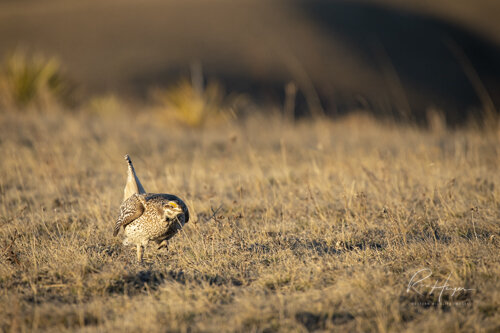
(214, 213)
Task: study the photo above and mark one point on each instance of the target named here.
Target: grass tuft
(32, 82)
(194, 107)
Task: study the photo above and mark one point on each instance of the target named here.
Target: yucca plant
(31, 81)
(191, 107)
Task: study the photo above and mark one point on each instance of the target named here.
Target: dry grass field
(317, 225)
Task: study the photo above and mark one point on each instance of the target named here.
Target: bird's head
(171, 209)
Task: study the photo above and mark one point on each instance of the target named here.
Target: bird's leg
(140, 252)
(163, 244)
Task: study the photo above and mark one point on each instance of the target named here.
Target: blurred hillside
(393, 57)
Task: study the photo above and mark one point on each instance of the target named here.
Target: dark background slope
(388, 56)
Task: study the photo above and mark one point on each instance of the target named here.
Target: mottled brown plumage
(148, 217)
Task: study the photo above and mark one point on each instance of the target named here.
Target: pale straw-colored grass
(314, 226)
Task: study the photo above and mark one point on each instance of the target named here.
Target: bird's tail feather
(133, 185)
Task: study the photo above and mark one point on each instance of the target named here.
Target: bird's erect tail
(133, 185)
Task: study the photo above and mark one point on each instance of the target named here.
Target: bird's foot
(163, 244)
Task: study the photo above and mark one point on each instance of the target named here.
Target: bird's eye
(173, 204)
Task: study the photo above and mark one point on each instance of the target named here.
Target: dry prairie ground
(321, 226)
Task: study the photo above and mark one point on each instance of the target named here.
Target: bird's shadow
(142, 278)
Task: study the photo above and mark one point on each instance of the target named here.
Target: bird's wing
(131, 209)
(186, 212)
